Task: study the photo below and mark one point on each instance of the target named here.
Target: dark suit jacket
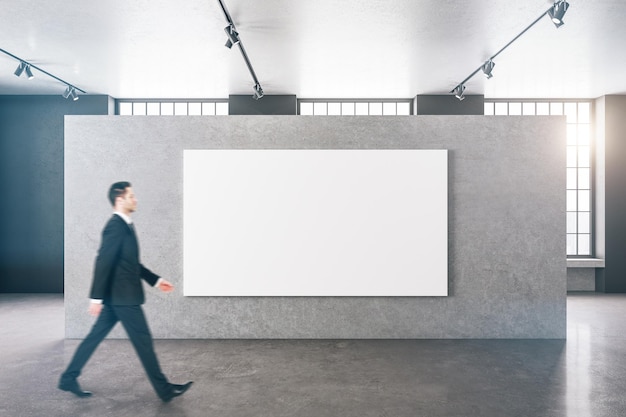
(118, 271)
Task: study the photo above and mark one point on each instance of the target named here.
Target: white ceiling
(314, 48)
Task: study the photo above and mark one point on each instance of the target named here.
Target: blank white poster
(315, 223)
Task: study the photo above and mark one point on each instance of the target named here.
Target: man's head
(122, 197)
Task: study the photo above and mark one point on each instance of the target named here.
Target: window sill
(585, 263)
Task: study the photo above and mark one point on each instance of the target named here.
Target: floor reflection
(577, 371)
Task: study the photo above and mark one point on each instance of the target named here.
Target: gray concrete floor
(583, 376)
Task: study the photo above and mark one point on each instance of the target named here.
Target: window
(172, 107)
(579, 167)
(402, 107)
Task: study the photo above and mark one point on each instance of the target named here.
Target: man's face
(129, 202)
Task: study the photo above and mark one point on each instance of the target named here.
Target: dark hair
(117, 190)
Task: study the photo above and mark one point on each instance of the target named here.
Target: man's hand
(165, 286)
(95, 309)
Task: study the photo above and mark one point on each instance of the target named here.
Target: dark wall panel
(612, 278)
(31, 180)
(430, 105)
(268, 105)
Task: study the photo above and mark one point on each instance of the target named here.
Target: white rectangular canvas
(315, 223)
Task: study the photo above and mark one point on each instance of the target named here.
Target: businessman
(117, 295)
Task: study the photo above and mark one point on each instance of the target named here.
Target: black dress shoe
(176, 390)
(74, 388)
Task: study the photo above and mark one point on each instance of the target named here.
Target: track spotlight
(458, 92)
(20, 69)
(29, 73)
(70, 92)
(233, 39)
(557, 12)
(258, 92)
(233, 36)
(488, 67)
(25, 66)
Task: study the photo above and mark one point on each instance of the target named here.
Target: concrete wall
(31, 180)
(581, 279)
(507, 269)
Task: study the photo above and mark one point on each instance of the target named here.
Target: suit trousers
(136, 326)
